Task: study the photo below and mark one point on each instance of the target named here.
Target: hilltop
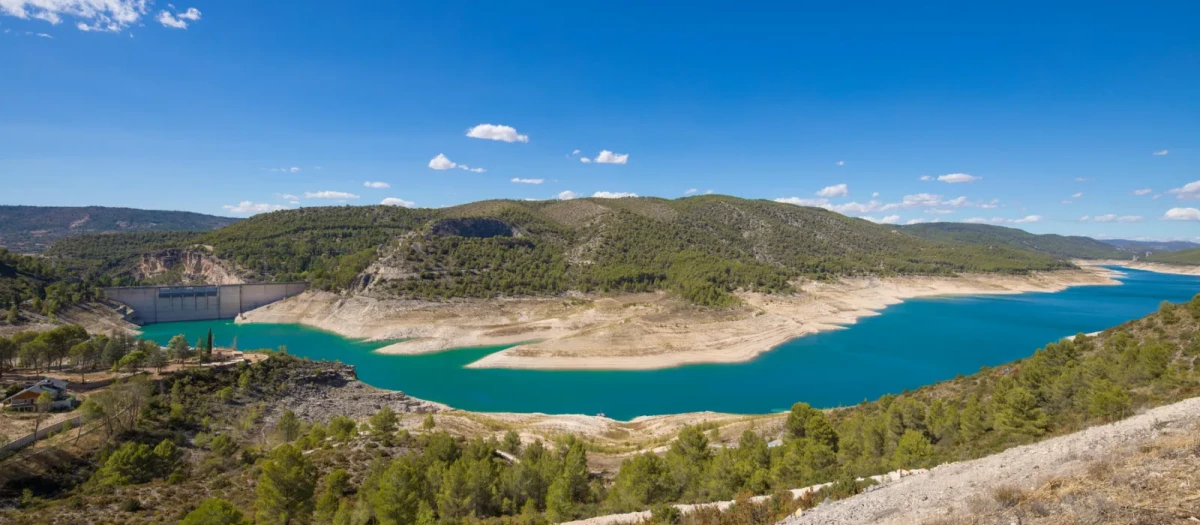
(1050, 245)
(32, 229)
(1189, 257)
(702, 248)
(1141, 247)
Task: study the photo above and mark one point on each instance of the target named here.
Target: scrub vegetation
(195, 446)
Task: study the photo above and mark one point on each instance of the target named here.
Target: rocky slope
(994, 485)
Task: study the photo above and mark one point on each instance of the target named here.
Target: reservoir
(911, 344)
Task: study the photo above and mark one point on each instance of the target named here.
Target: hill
(1141, 247)
(700, 247)
(31, 229)
(1057, 246)
(1191, 256)
(152, 449)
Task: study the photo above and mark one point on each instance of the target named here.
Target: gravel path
(917, 499)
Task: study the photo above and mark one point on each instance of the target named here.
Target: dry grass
(1157, 482)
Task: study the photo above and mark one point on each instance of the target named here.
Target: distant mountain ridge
(1191, 256)
(32, 229)
(1151, 246)
(1057, 246)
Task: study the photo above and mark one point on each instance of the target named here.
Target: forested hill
(701, 247)
(31, 229)
(1191, 256)
(1057, 246)
(1141, 247)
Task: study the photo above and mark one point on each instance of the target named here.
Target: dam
(169, 304)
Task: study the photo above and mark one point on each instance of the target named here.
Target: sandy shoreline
(636, 331)
(1176, 269)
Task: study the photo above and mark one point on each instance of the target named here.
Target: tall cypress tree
(208, 344)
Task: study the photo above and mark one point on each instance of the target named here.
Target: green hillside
(31, 229)
(1191, 256)
(701, 247)
(1057, 246)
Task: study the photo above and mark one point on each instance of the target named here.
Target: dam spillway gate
(168, 304)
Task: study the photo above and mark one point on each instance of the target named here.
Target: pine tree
(383, 422)
(971, 419)
(912, 451)
(1018, 413)
(288, 427)
(559, 507)
(285, 488)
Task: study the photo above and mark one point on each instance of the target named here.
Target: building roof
(57, 387)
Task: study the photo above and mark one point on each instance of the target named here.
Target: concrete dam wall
(167, 304)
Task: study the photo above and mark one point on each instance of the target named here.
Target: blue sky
(1031, 115)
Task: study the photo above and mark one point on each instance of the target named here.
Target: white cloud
(393, 201)
(1182, 214)
(178, 20)
(440, 162)
(819, 203)
(377, 185)
(1112, 217)
(840, 190)
(528, 181)
(916, 221)
(192, 14)
(44, 35)
(1082, 179)
(957, 178)
(287, 196)
(294, 169)
(1064, 202)
(92, 15)
(841, 163)
(169, 20)
(247, 207)
(708, 192)
(585, 160)
(921, 200)
(573, 153)
(608, 157)
(496, 132)
(926, 178)
(1077, 195)
(875, 195)
(998, 220)
(1085, 218)
(329, 195)
(890, 219)
(939, 211)
(690, 191)
(612, 195)
(470, 169)
(1143, 191)
(566, 195)
(933, 204)
(1160, 152)
(1190, 190)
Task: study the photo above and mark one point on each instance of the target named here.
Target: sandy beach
(635, 331)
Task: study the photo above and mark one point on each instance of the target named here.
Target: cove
(911, 344)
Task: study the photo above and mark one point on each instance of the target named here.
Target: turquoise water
(911, 344)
